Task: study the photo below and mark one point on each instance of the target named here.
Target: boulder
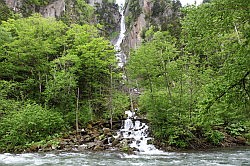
(82, 147)
(98, 148)
(241, 140)
(107, 131)
(115, 142)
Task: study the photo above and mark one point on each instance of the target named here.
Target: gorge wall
(140, 15)
(49, 8)
(72, 11)
(143, 14)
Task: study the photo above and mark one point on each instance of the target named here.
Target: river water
(222, 157)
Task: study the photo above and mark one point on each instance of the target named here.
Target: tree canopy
(203, 82)
(44, 61)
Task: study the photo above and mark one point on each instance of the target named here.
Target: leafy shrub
(84, 116)
(179, 136)
(31, 124)
(236, 129)
(214, 136)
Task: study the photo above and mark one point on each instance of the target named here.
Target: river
(221, 157)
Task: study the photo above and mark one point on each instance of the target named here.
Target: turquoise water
(226, 157)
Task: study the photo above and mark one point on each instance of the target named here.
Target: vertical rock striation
(14, 4)
(72, 11)
(94, 2)
(52, 8)
(55, 9)
(162, 15)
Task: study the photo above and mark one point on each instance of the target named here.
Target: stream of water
(226, 157)
(121, 57)
(148, 155)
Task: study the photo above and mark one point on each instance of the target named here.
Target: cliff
(89, 11)
(143, 14)
(140, 15)
(48, 8)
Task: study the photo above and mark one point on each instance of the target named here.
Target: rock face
(140, 15)
(14, 4)
(94, 2)
(54, 9)
(106, 13)
(133, 37)
(159, 14)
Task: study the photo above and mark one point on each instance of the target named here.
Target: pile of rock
(96, 138)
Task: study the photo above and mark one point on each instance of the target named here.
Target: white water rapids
(138, 132)
(222, 157)
(149, 156)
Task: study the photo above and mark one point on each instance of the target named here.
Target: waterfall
(137, 131)
(133, 129)
(121, 57)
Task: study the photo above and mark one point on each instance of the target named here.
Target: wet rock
(111, 139)
(150, 141)
(129, 141)
(115, 142)
(107, 131)
(91, 145)
(87, 138)
(47, 149)
(82, 147)
(95, 133)
(98, 148)
(241, 140)
(117, 126)
(67, 148)
(89, 126)
(138, 142)
(105, 141)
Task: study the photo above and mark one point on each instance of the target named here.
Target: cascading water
(133, 129)
(137, 131)
(121, 57)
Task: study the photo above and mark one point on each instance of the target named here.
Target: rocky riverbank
(99, 137)
(202, 143)
(95, 137)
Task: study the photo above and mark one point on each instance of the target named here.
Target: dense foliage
(198, 90)
(5, 12)
(56, 70)
(194, 78)
(135, 11)
(30, 124)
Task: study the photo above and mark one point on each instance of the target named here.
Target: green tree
(97, 57)
(81, 13)
(5, 12)
(223, 58)
(30, 124)
(188, 92)
(36, 41)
